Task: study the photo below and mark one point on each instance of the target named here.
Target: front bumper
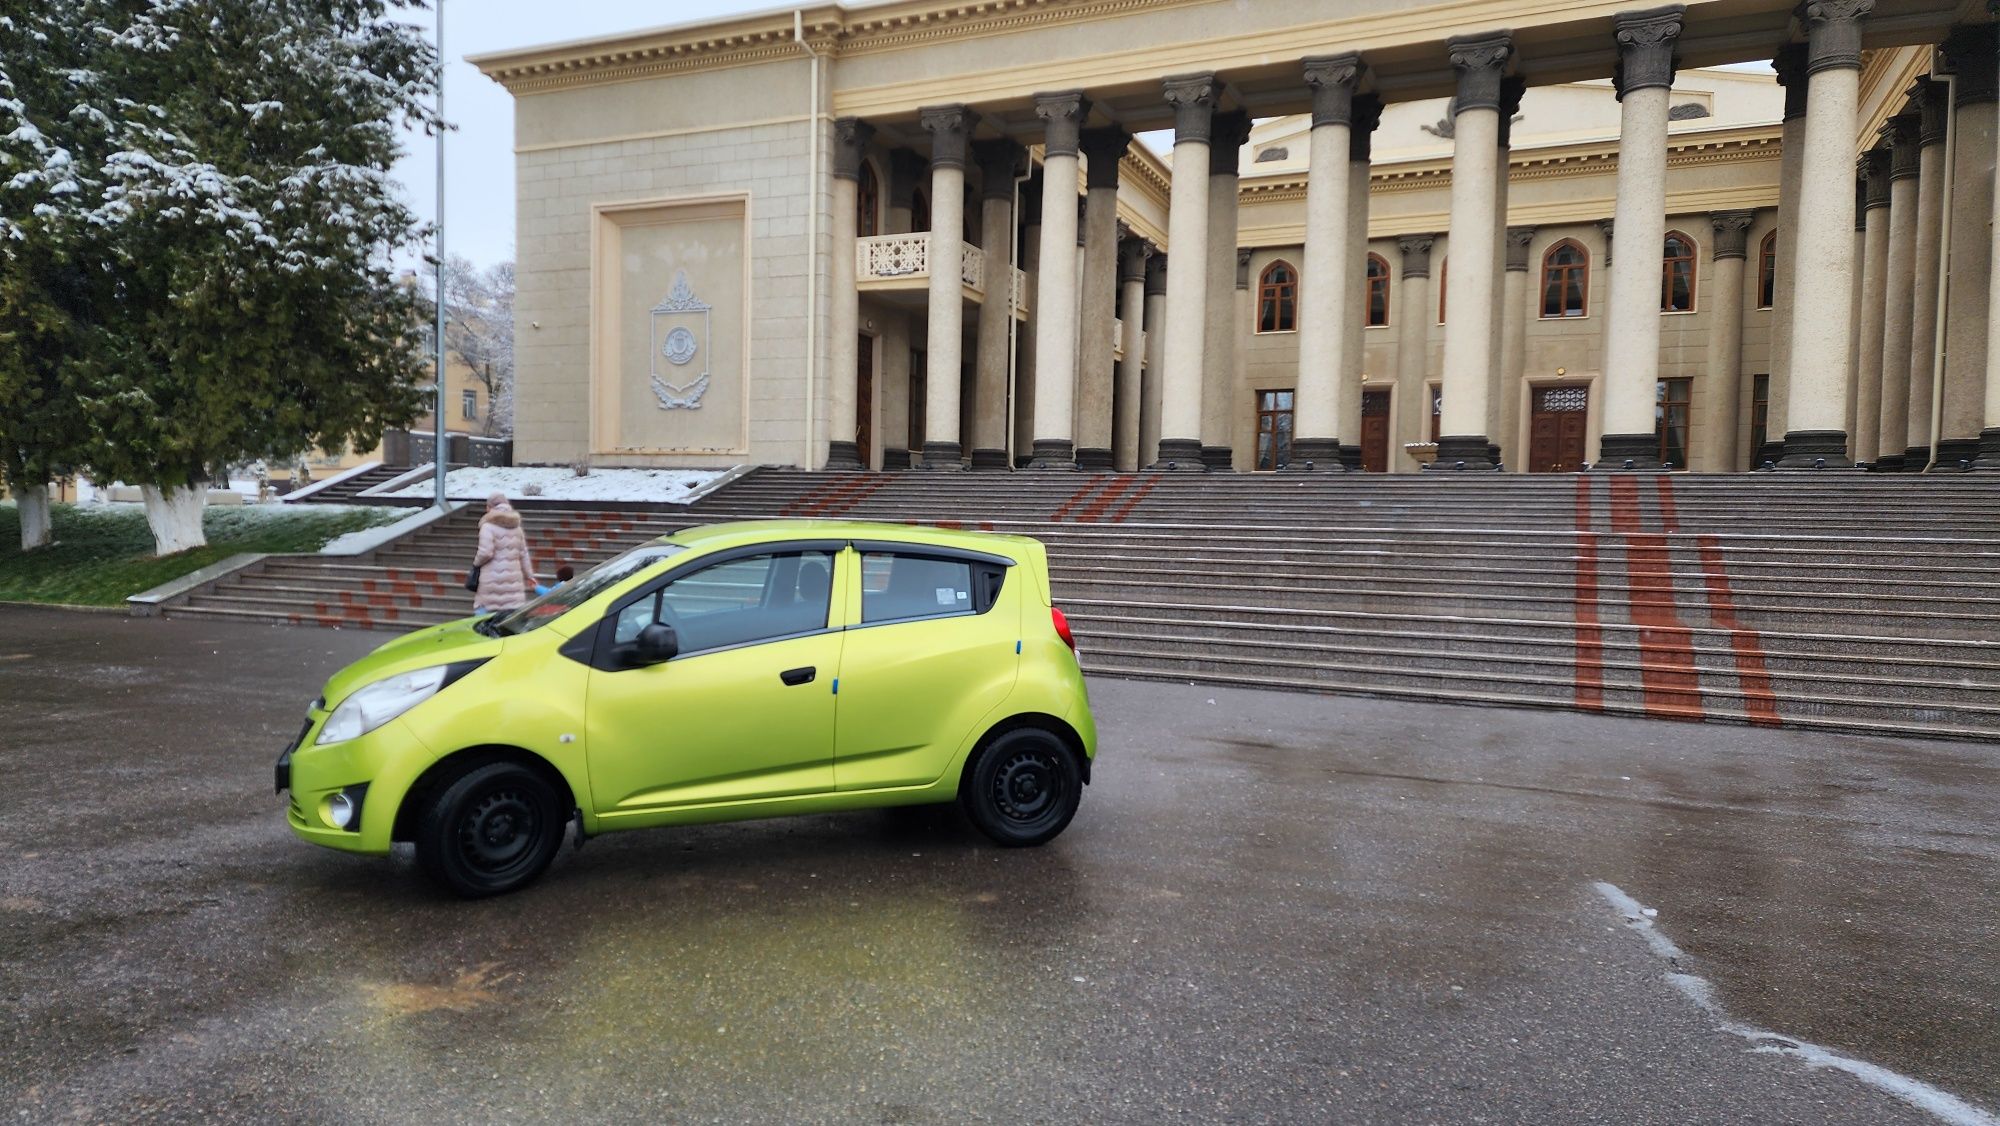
(378, 765)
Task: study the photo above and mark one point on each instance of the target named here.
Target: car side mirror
(656, 644)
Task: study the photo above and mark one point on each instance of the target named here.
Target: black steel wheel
(491, 830)
(1023, 787)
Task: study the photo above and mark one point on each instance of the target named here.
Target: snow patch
(670, 486)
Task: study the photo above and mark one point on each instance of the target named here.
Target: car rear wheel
(1023, 787)
(491, 830)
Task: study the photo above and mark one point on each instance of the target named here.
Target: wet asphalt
(1271, 907)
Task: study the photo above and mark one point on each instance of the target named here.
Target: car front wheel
(491, 830)
(1023, 788)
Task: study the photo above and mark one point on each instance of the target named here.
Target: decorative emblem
(680, 324)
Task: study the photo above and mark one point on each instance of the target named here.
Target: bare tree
(479, 329)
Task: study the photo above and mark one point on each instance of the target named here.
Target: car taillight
(1062, 628)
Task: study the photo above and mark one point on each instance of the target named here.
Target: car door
(744, 711)
(933, 649)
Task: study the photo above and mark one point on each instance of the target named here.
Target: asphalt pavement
(1271, 907)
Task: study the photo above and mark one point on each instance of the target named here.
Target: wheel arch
(439, 774)
(1054, 725)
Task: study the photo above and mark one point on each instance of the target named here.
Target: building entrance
(1375, 430)
(1274, 429)
(1559, 429)
(864, 399)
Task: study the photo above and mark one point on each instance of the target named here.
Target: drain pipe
(812, 238)
(1943, 268)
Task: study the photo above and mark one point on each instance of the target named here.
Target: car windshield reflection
(581, 589)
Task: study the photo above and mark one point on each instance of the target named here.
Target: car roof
(745, 532)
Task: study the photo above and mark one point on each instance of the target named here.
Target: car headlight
(370, 707)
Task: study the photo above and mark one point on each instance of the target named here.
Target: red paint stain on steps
(1760, 704)
(1589, 635)
(1672, 687)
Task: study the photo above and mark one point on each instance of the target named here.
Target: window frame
(1370, 281)
(1581, 268)
(977, 560)
(468, 404)
(1767, 270)
(1663, 406)
(595, 645)
(1667, 264)
(1280, 458)
(1444, 281)
(1269, 290)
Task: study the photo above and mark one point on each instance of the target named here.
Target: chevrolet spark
(721, 673)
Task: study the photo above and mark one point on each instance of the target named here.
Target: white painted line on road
(1946, 1106)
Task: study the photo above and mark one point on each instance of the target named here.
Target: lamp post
(438, 447)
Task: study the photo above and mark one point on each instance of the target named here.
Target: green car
(721, 673)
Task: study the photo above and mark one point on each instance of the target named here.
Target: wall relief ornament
(679, 334)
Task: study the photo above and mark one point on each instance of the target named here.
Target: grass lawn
(104, 553)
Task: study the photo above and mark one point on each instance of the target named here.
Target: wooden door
(864, 399)
(1558, 429)
(1375, 430)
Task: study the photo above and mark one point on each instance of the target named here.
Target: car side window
(898, 587)
(739, 601)
(634, 618)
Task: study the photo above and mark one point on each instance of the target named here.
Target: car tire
(491, 830)
(1023, 787)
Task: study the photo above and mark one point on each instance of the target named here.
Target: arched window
(1566, 280)
(1278, 298)
(1376, 311)
(1767, 271)
(1444, 276)
(920, 211)
(1677, 274)
(867, 202)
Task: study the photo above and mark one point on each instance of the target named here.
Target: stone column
(1239, 361)
(850, 142)
(1933, 120)
(1413, 345)
(1055, 282)
(1481, 63)
(892, 383)
(1218, 382)
(1897, 283)
(1497, 399)
(1971, 53)
(1790, 63)
(1353, 354)
(1821, 366)
(1514, 342)
(1874, 167)
(998, 162)
(1632, 328)
(950, 128)
(1156, 346)
(1102, 149)
(1193, 99)
(1325, 322)
(1722, 377)
(1132, 255)
(1030, 207)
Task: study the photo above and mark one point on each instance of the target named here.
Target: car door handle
(799, 676)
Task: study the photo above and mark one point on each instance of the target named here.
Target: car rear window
(896, 586)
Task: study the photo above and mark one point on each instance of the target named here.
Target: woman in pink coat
(506, 575)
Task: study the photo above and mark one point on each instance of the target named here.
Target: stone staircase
(1849, 601)
(345, 490)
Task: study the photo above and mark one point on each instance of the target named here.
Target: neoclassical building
(1294, 234)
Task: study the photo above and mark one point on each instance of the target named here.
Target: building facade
(1374, 236)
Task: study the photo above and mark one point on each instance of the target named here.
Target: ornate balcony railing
(903, 261)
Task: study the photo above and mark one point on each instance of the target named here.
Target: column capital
(1193, 97)
(1228, 130)
(1361, 131)
(1062, 115)
(1873, 167)
(1646, 48)
(1605, 228)
(999, 162)
(1481, 61)
(1790, 63)
(850, 143)
(906, 171)
(950, 128)
(1833, 33)
(1901, 134)
(1732, 233)
(1416, 254)
(1103, 147)
(1933, 105)
(1334, 79)
(1133, 254)
(1970, 53)
(1156, 275)
(1243, 267)
(1518, 241)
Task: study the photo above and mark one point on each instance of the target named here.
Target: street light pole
(438, 447)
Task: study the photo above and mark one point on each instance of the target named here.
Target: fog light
(340, 811)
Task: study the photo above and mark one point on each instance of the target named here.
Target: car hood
(436, 645)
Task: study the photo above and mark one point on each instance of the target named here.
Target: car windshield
(578, 590)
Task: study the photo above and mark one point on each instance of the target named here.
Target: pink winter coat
(507, 575)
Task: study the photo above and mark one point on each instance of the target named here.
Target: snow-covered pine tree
(228, 190)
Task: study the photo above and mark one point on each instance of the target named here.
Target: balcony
(899, 268)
